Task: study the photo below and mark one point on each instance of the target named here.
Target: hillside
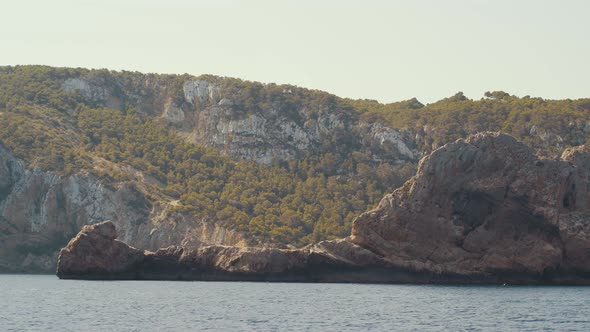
(178, 159)
(481, 210)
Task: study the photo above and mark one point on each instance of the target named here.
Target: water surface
(45, 303)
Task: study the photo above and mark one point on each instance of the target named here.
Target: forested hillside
(281, 164)
(548, 126)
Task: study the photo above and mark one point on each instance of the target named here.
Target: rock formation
(96, 250)
(486, 205)
(96, 254)
(480, 210)
(203, 112)
(40, 211)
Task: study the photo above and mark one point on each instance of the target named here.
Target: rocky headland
(480, 210)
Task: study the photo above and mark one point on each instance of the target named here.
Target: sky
(384, 50)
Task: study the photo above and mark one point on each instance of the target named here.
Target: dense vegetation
(297, 202)
(300, 203)
(546, 125)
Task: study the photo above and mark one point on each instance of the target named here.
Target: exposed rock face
(173, 114)
(388, 144)
(481, 210)
(204, 110)
(95, 250)
(204, 113)
(486, 205)
(264, 136)
(95, 254)
(199, 90)
(40, 211)
(87, 90)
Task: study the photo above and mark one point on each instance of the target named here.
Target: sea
(45, 303)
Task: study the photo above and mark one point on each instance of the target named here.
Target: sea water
(45, 303)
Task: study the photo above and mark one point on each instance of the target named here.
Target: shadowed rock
(480, 210)
(95, 250)
(487, 205)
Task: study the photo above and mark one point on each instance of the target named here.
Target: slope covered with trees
(548, 126)
(295, 201)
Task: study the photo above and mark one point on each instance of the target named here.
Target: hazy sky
(384, 50)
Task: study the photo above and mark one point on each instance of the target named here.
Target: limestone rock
(199, 91)
(173, 113)
(85, 88)
(204, 112)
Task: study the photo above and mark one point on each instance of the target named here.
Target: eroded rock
(486, 205)
(95, 251)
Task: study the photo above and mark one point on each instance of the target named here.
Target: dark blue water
(44, 303)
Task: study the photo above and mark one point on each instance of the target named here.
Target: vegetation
(546, 125)
(300, 203)
(297, 202)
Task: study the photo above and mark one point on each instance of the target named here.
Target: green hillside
(297, 202)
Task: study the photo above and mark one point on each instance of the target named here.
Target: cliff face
(41, 210)
(207, 112)
(295, 122)
(486, 204)
(481, 210)
(354, 150)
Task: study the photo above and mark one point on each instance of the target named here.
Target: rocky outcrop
(96, 250)
(207, 111)
(202, 111)
(40, 211)
(90, 91)
(486, 205)
(480, 210)
(199, 91)
(95, 254)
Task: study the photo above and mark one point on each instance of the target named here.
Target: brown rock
(95, 251)
(486, 205)
(95, 254)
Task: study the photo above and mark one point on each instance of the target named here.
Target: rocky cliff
(95, 253)
(246, 120)
(268, 122)
(40, 211)
(486, 204)
(480, 210)
(332, 157)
